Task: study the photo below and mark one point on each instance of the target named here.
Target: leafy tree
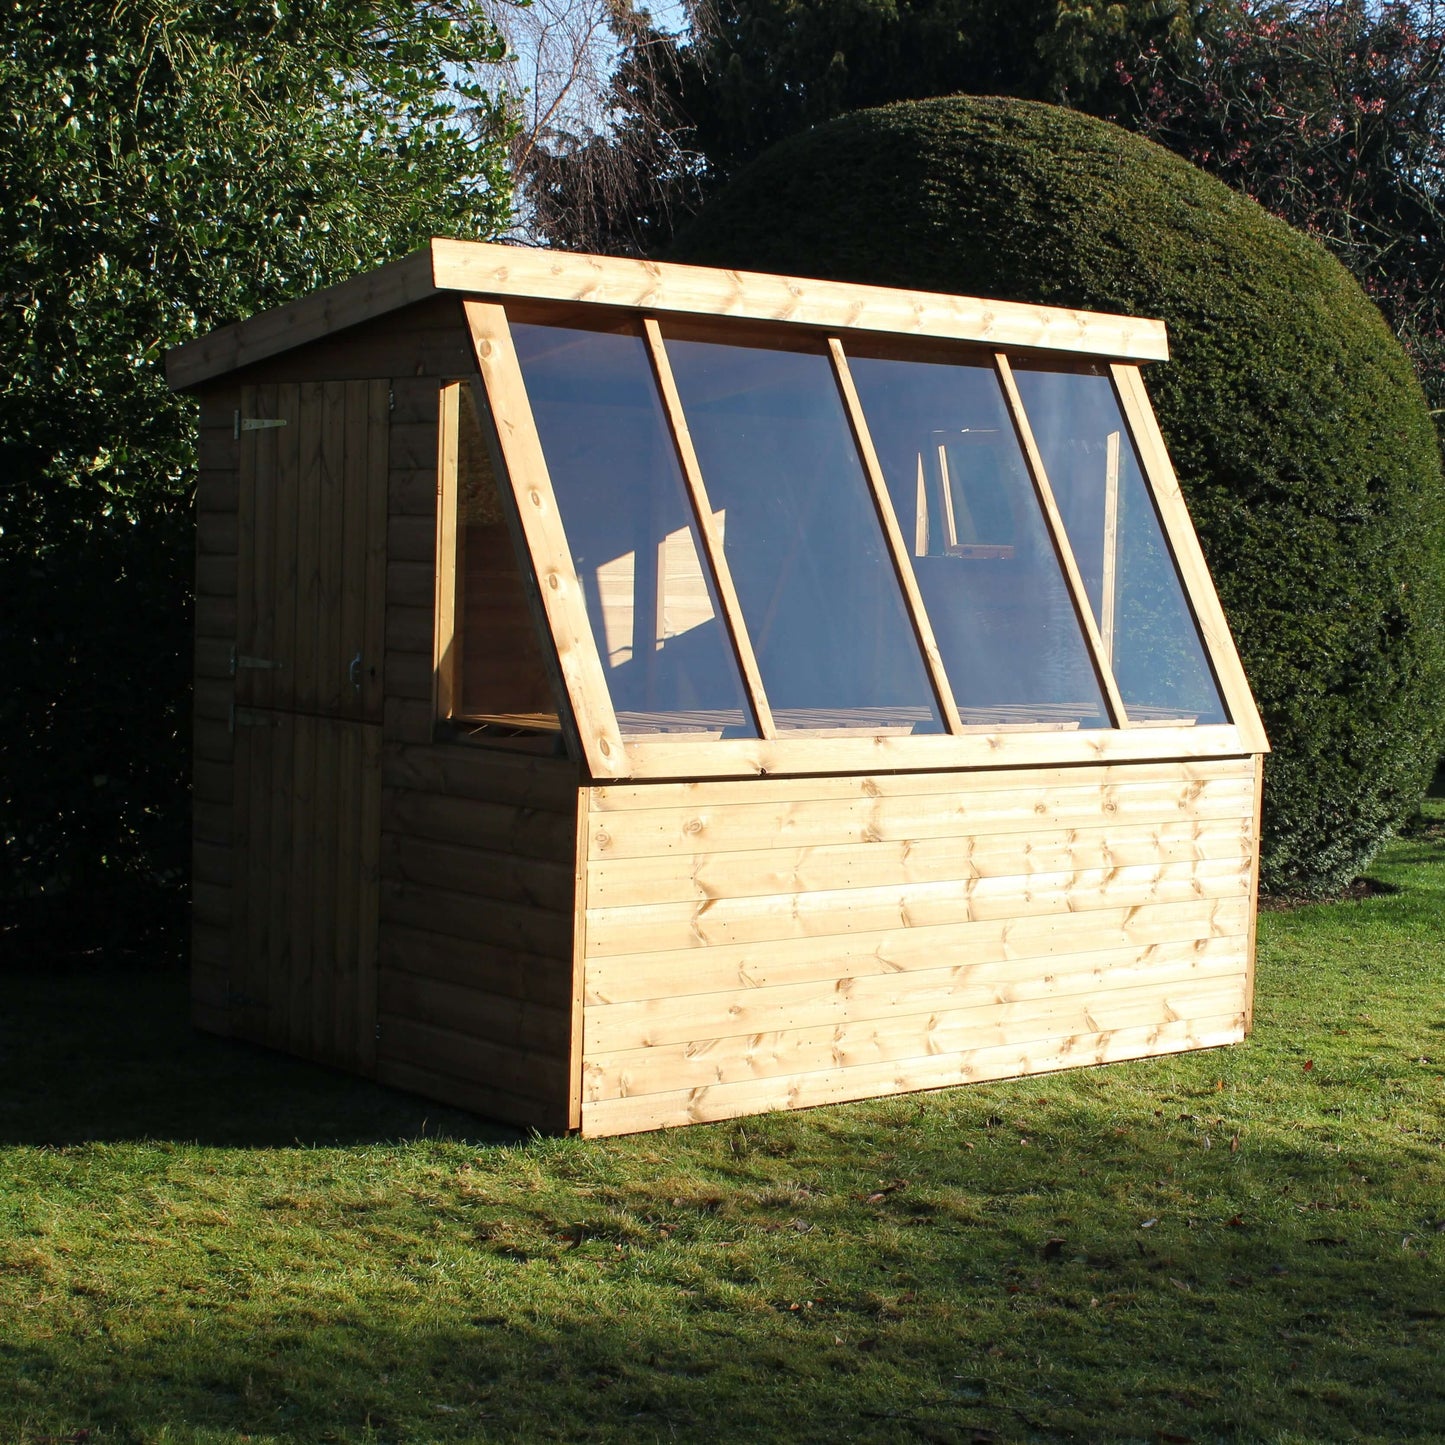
(687, 113)
(1331, 114)
(168, 166)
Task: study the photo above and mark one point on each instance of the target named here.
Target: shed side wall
(478, 854)
(778, 943)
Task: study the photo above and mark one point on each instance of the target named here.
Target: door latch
(354, 672)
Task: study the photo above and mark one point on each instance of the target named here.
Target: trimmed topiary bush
(1297, 426)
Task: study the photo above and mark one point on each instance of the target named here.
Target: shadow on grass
(945, 1316)
(104, 1055)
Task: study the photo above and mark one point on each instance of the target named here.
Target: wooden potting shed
(632, 694)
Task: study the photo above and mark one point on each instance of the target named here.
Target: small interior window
(499, 687)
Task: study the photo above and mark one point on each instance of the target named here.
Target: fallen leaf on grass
(1308, 1065)
(1149, 1224)
(1180, 1285)
(886, 1190)
(1235, 1221)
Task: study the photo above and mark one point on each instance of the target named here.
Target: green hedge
(1297, 426)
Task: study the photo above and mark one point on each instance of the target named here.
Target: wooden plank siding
(478, 850)
(782, 942)
(478, 892)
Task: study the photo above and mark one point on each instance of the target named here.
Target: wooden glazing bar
(1188, 556)
(897, 546)
(1109, 585)
(447, 663)
(1059, 534)
(982, 748)
(712, 542)
(547, 553)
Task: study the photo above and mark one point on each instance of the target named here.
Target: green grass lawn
(201, 1242)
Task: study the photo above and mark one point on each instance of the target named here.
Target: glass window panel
(659, 629)
(496, 656)
(991, 581)
(1134, 588)
(804, 544)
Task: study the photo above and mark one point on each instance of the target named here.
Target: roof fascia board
(362, 298)
(486, 269)
(482, 268)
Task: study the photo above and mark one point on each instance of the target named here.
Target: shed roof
(478, 268)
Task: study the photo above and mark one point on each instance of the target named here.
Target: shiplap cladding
(774, 944)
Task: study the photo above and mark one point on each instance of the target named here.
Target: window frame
(589, 723)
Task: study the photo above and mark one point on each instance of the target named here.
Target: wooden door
(311, 564)
(311, 576)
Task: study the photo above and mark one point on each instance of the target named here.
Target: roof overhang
(484, 269)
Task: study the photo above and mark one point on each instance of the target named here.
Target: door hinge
(241, 423)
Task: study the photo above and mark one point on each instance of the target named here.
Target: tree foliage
(1296, 424)
(1331, 114)
(169, 166)
(686, 112)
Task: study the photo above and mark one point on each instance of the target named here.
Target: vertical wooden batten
(707, 528)
(897, 547)
(1256, 840)
(1060, 538)
(450, 565)
(555, 578)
